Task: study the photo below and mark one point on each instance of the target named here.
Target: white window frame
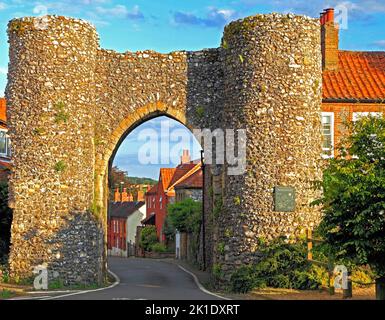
(331, 114)
(7, 153)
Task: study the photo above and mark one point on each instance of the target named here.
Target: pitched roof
(153, 189)
(360, 76)
(184, 172)
(124, 209)
(3, 115)
(180, 171)
(194, 181)
(166, 175)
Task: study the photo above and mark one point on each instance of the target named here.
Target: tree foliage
(120, 179)
(354, 197)
(5, 221)
(185, 216)
(280, 265)
(148, 238)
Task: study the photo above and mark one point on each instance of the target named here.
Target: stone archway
(70, 102)
(103, 162)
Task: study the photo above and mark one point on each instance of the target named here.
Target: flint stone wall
(72, 103)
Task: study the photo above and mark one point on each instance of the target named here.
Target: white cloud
(3, 70)
(214, 18)
(380, 43)
(315, 6)
(2, 6)
(119, 11)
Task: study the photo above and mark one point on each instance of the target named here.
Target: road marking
(202, 288)
(52, 291)
(117, 281)
(148, 286)
(29, 298)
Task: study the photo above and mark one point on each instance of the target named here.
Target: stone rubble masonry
(72, 103)
(272, 86)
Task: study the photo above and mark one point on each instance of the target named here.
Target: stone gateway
(71, 103)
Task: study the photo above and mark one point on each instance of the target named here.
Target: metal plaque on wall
(284, 199)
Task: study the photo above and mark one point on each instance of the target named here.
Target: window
(5, 149)
(327, 134)
(359, 115)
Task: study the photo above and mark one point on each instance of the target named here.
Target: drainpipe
(203, 214)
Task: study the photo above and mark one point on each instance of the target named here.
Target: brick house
(353, 84)
(190, 187)
(5, 151)
(163, 193)
(123, 219)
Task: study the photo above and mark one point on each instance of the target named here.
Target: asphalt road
(146, 279)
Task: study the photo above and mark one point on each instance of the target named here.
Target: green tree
(185, 216)
(120, 179)
(148, 238)
(5, 222)
(354, 199)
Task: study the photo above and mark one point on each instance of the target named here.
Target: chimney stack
(329, 40)
(117, 195)
(185, 158)
(140, 195)
(124, 195)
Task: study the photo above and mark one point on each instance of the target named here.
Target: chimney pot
(185, 158)
(329, 15)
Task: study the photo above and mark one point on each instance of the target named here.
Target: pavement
(143, 279)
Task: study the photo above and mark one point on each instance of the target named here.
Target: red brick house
(353, 84)
(123, 219)
(163, 193)
(5, 151)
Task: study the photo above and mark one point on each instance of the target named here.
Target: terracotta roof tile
(360, 76)
(180, 171)
(166, 176)
(3, 115)
(193, 181)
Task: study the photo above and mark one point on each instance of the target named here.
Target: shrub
(353, 197)
(158, 247)
(362, 276)
(5, 223)
(282, 265)
(242, 280)
(185, 216)
(148, 237)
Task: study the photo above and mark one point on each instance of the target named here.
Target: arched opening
(145, 171)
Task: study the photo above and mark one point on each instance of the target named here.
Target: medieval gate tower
(70, 104)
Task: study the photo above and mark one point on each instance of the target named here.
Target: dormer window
(5, 149)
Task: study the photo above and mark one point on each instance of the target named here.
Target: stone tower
(71, 103)
(50, 94)
(272, 88)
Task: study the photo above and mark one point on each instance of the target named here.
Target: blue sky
(168, 139)
(167, 25)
